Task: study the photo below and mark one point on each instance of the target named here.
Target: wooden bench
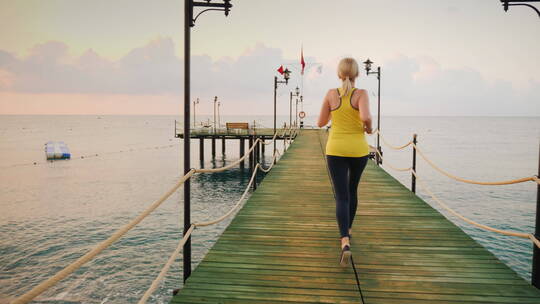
(237, 125)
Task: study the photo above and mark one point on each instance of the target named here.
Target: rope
(507, 182)
(165, 268)
(535, 179)
(246, 191)
(390, 145)
(34, 292)
(173, 256)
(482, 226)
(391, 166)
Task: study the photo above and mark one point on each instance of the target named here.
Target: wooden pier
(283, 246)
(242, 135)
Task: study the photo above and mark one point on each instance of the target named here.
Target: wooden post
(262, 150)
(241, 151)
(535, 277)
(213, 147)
(413, 185)
(201, 150)
(223, 145)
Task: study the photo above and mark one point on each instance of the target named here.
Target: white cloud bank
(410, 85)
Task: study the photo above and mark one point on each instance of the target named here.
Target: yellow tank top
(346, 136)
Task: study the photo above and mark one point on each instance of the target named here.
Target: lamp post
(218, 117)
(194, 104)
(286, 75)
(368, 64)
(507, 3)
(296, 93)
(215, 103)
(189, 22)
(301, 118)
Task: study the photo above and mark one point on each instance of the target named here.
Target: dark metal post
(241, 152)
(213, 147)
(189, 21)
(255, 153)
(379, 111)
(413, 185)
(296, 116)
(535, 277)
(258, 155)
(251, 158)
(201, 150)
(188, 11)
(223, 145)
(275, 92)
(215, 121)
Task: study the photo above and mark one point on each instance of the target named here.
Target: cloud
(410, 85)
(422, 85)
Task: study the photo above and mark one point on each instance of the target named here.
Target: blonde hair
(347, 71)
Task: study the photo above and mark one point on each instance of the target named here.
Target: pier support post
(535, 277)
(223, 145)
(201, 150)
(258, 154)
(213, 147)
(255, 161)
(413, 177)
(251, 154)
(241, 152)
(262, 150)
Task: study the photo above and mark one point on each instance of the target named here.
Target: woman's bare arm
(363, 107)
(324, 116)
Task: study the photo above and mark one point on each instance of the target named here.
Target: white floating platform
(57, 150)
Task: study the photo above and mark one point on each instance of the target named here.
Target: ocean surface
(51, 213)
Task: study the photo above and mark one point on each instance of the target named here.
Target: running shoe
(345, 256)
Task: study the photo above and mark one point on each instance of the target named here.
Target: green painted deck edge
(405, 250)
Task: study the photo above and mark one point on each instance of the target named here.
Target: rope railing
(420, 181)
(468, 181)
(43, 286)
(390, 145)
(446, 173)
(176, 252)
(392, 166)
(34, 292)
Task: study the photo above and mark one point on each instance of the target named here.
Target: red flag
(280, 70)
(302, 62)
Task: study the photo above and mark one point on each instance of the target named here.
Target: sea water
(51, 213)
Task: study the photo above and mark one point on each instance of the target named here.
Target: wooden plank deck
(283, 246)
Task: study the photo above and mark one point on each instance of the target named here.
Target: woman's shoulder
(331, 93)
(357, 93)
(360, 91)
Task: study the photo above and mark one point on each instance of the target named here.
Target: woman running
(346, 149)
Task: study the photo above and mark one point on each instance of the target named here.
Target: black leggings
(345, 173)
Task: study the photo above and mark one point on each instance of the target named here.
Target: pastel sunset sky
(458, 57)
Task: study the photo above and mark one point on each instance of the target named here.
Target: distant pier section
(241, 131)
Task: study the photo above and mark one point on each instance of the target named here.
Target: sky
(437, 57)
